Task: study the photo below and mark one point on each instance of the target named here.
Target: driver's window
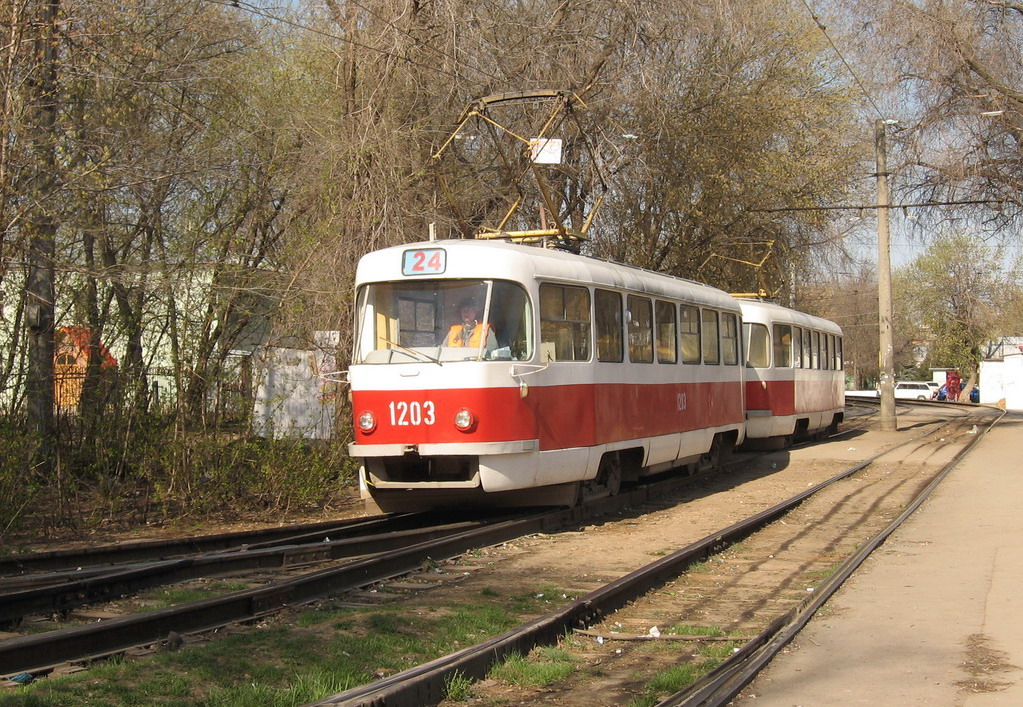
(418, 321)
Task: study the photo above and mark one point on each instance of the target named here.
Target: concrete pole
(884, 283)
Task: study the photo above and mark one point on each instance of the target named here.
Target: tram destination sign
(424, 261)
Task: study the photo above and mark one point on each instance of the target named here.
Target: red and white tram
(574, 372)
(794, 376)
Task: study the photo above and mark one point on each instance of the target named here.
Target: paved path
(935, 615)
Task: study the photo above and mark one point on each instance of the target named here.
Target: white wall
(1002, 380)
(295, 394)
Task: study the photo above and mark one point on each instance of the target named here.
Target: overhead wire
(824, 30)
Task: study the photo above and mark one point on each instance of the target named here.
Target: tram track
(63, 591)
(113, 635)
(71, 560)
(40, 653)
(426, 684)
(385, 546)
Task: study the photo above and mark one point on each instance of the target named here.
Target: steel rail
(426, 684)
(72, 592)
(143, 550)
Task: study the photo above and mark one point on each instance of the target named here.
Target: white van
(912, 390)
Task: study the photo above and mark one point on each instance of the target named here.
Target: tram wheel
(609, 475)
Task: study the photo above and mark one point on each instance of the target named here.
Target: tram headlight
(465, 420)
(367, 422)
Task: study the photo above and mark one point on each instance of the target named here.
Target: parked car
(935, 387)
(912, 390)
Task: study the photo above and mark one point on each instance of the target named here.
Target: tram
(493, 373)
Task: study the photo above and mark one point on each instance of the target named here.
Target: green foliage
(154, 473)
(163, 597)
(952, 295)
(20, 485)
(209, 473)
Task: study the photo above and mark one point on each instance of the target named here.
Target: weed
(457, 687)
(674, 679)
(693, 630)
(537, 673)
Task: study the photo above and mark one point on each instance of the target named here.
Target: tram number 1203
(405, 414)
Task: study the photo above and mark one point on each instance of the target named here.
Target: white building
(1002, 380)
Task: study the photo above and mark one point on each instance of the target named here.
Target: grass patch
(699, 567)
(163, 598)
(705, 657)
(329, 651)
(534, 671)
(814, 577)
(539, 599)
(339, 618)
(668, 682)
(692, 630)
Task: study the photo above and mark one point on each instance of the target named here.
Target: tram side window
(807, 363)
(782, 346)
(729, 339)
(564, 323)
(608, 317)
(689, 326)
(797, 347)
(839, 359)
(711, 348)
(815, 349)
(758, 346)
(826, 349)
(641, 329)
(667, 344)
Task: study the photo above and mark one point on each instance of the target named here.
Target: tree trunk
(42, 228)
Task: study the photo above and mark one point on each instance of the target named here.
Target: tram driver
(470, 332)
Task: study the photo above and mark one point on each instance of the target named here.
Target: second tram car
(491, 373)
(794, 374)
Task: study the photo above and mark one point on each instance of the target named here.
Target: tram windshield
(443, 320)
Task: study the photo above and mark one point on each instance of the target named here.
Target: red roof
(80, 337)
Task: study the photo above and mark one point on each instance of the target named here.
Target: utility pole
(884, 282)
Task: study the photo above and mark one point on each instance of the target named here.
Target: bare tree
(954, 71)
